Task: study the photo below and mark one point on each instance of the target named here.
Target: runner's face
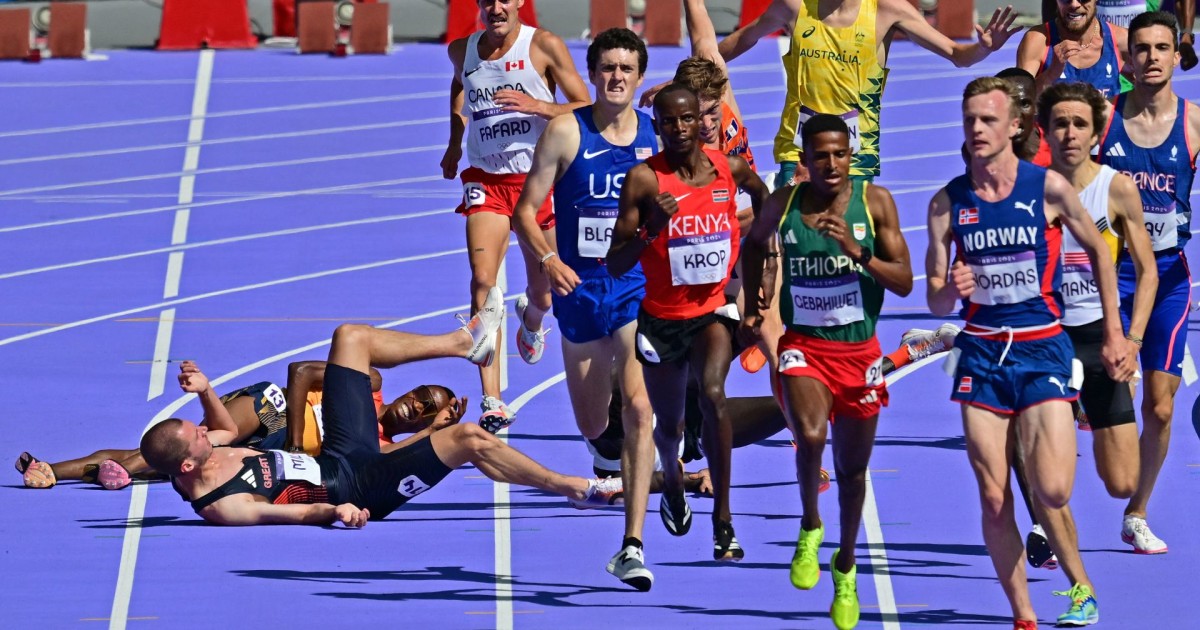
(1154, 55)
(616, 76)
(199, 446)
(1025, 103)
(1076, 15)
(1071, 135)
(499, 17)
(678, 122)
(827, 157)
(988, 125)
(710, 121)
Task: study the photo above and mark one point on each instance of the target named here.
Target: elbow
(905, 288)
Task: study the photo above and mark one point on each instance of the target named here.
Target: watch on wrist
(865, 257)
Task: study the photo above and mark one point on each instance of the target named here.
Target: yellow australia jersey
(834, 71)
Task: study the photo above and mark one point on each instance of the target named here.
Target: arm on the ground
(901, 15)
(638, 194)
(779, 15)
(1125, 206)
(944, 285)
(756, 248)
(891, 265)
(241, 509)
(560, 71)
(553, 155)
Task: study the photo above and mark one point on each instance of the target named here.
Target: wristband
(543, 259)
(1135, 339)
(645, 235)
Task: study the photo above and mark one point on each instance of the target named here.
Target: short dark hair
(704, 76)
(822, 123)
(162, 449)
(1155, 18)
(1074, 91)
(615, 38)
(1016, 73)
(673, 88)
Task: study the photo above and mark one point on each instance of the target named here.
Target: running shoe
(1081, 419)
(752, 359)
(1038, 551)
(824, 485)
(629, 566)
(601, 492)
(805, 568)
(482, 327)
(112, 476)
(1025, 624)
(725, 544)
(925, 343)
(1136, 532)
(844, 610)
(496, 415)
(675, 513)
(1083, 610)
(530, 344)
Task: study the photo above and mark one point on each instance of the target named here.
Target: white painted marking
(174, 272)
(162, 349)
(1189, 367)
(501, 343)
(179, 231)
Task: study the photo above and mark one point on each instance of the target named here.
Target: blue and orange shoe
(1083, 611)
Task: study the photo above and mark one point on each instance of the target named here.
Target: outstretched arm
(243, 510)
(901, 15)
(779, 15)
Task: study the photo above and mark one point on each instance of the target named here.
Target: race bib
(851, 119)
(275, 396)
(700, 259)
(499, 131)
(473, 195)
(1119, 12)
(1079, 288)
(319, 420)
(1162, 226)
(1005, 279)
(874, 375)
(821, 302)
(595, 231)
(297, 467)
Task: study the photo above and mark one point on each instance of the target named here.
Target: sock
(900, 357)
(631, 541)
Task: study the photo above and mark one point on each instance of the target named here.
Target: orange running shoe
(753, 359)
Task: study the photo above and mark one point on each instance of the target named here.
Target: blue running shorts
(599, 306)
(1034, 371)
(1166, 332)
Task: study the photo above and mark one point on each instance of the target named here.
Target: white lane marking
(179, 230)
(174, 272)
(162, 351)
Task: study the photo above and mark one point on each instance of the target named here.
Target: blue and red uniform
(1104, 75)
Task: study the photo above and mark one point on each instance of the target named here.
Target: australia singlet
(498, 141)
(834, 71)
(827, 295)
(1015, 256)
(1104, 75)
(1163, 175)
(687, 266)
(586, 196)
(278, 476)
(1081, 296)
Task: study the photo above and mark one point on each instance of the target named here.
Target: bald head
(164, 447)
(674, 95)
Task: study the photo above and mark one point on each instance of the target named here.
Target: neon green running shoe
(1083, 611)
(844, 610)
(805, 568)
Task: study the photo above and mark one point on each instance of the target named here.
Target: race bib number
(499, 131)
(821, 302)
(411, 486)
(1079, 286)
(473, 195)
(1162, 226)
(275, 396)
(297, 467)
(791, 359)
(874, 375)
(700, 259)
(595, 231)
(851, 119)
(1005, 279)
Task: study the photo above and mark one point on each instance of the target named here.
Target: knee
(714, 394)
(1122, 488)
(474, 438)
(637, 414)
(995, 503)
(482, 277)
(1054, 496)
(351, 335)
(1159, 411)
(668, 430)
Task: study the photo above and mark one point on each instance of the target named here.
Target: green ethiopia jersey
(825, 294)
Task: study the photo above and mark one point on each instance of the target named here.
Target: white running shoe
(482, 328)
(629, 566)
(602, 492)
(531, 344)
(496, 415)
(1136, 532)
(926, 343)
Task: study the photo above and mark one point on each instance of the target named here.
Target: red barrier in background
(193, 24)
(462, 18)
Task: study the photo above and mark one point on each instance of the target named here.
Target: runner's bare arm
(890, 265)
(759, 243)
(779, 15)
(1030, 54)
(1193, 129)
(899, 14)
(1125, 207)
(548, 49)
(943, 286)
(702, 33)
(241, 509)
(222, 428)
(637, 195)
(458, 123)
(554, 153)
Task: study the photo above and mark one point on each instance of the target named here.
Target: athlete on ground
(1075, 46)
(504, 80)
(686, 196)
(1153, 136)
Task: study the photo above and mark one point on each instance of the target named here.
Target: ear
(187, 466)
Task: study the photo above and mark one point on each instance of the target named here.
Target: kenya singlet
(688, 265)
(501, 142)
(827, 295)
(834, 71)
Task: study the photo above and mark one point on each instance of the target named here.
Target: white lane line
(501, 515)
(181, 231)
(162, 350)
(221, 202)
(174, 272)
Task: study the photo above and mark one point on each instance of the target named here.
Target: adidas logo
(1115, 150)
(789, 238)
(248, 477)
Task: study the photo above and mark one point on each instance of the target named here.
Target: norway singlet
(827, 295)
(1081, 296)
(1104, 75)
(834, 71)
(498, 141)
(688, 265)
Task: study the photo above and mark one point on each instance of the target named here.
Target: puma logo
(1027, 207)
(1061, 388)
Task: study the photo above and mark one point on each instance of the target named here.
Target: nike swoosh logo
(682, 197)
(472, 71)
(587, 155)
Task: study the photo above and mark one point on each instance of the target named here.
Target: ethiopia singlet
(1081, 296)
(1121, 12)
(277, 476)
(1015, 256)
(501, 142)
(1104, 75)
(734, 139)
(1163, 175)
(688, 265)
(827, 295)
(586, 196)
(834, 71)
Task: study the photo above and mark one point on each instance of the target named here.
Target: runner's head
(1072, 115)
(1153, 53)
(499, 17)
(708, 81)
(616, 62)
(1076, 16)
(1026, 87)
(991, 117)
(677, 118)
(175, 446)
(825, 140)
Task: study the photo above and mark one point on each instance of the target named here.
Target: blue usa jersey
(1014, 254)
(1163, 174)
(1104, 75)
(585, 198)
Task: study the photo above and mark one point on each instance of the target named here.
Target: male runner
(686, 194)
(350, 481)
(1153, 136)
(1013, 359)
(836, 64)
(1075, 46)
(584, 156)
(842, 247)
(505, 75)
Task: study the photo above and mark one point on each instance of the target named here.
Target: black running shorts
(1106, 402)
(662, 341)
